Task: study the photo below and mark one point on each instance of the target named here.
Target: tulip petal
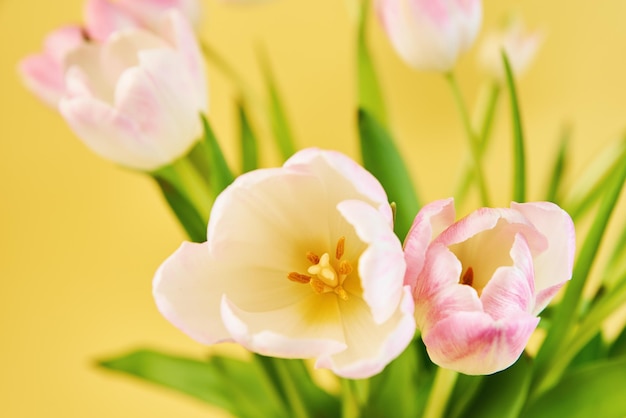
(104, 17)
(309, 328)
(473, 343)
(44, 73)
(344, 174)
(511, 289)
(431, 220)
(382, 265)
(553, 267)
(371, 345)
(187, 292)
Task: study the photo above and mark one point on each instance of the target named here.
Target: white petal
(188, 289)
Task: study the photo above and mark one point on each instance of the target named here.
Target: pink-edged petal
(370, 345)
(150, 11)
(543, 297)
(158, 98)
(382, 265)
(44, 73)
(442, 269)
(104, 17)
(177, 30)
(338, 170)
(104, 130)
(187, 291)
(511, 289)
(473, 343)
(553, 266)
(431, 220)
(309, 328)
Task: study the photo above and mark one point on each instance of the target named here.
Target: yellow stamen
(341, 243)
(341, 292)
(324, 270)
(298, 278)
(318, 286)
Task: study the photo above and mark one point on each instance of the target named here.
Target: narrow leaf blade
(558, 169)
(519, 153)
(249, 143)
(383, 160)
(221, 175)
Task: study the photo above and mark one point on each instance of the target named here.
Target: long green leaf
(519, 153)
(566, 315)
(195, 226)
(221, 175)
(618, 347)
(233, 385)
(502, 395)
(249, 143)
(553, 193)
(402, 388)
(370, 96)
(464, 392)
(382, 158)
(596, 390)
(277, 115)
(589, 187)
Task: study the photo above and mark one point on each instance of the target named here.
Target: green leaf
(519, 154)
(402, 387)
(558, 169)
(195, 226)
(383, 160)
(233, 385)
(278, 118)
(618, 347)
(502, 395)
(296, 387)
(370, 96)
(249, 143)
(597, 390)
(590, 186)
(465, 390)
(567, 312)
(594, 350)
(221, 176)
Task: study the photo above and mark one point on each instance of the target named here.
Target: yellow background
(81, 238)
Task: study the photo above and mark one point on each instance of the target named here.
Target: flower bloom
(520, 46)
(135, 98)
(479, 283)
(301, 262)
(430, 34)
(44, 73)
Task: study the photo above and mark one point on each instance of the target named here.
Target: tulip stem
(440, 393)
(486, 123)
(474, 141)
(188, 181)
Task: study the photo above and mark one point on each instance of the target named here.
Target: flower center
(326, 275)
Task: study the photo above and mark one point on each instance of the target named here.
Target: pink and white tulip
(44, 73)
(480, 282)
(431, 34)
(136, 98)
(520, 46)
(301, 262)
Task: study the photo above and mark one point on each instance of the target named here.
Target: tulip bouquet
(325, 264)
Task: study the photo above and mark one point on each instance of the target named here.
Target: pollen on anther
(341, 243)
(299, 278)
(317, 285)
(345, 267)
(340, 291)
(312, 257)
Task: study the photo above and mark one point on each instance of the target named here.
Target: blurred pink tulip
(479, 283)
(136, 98)
(430, 34)
(44, 73)
(301, 262)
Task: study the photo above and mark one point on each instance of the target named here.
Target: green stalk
(484, 136)
(471, 136)
(440, 393)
